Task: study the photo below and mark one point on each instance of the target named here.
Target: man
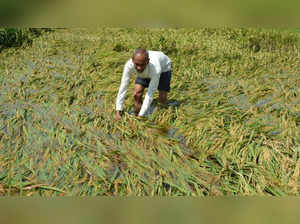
(153, 70)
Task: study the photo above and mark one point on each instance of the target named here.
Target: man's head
(140, 59)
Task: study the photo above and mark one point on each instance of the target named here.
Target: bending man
(153, 70)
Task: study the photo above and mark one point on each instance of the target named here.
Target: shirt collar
(146, 70)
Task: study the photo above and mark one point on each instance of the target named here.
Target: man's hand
(118, 115)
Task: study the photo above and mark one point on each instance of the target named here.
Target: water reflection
(242, 101)
(174, 134)
(269, 103)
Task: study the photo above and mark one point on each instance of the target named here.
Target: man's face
(140, 62)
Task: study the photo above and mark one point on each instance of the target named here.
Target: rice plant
(232, 130)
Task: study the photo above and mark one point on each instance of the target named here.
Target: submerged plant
(231, 127)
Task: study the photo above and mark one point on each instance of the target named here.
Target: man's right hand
(118, 115)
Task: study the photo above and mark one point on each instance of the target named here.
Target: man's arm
(123, 89)
(149, 95)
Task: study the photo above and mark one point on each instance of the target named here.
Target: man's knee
(163, 97)
(163, 94)
(137, 95)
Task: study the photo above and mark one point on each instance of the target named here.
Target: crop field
(231, 127)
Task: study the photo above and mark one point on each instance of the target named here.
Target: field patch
(231, 126)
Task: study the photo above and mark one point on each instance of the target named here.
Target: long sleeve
(149, 95)
(123, 88)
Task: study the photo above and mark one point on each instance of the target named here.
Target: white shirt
(159, 62)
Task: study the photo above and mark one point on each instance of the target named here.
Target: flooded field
(231, 126)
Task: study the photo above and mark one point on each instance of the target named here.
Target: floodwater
(48, 116)
(270, 102)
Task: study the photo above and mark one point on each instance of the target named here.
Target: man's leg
(163, 97)
(138, 95)
(164, 87)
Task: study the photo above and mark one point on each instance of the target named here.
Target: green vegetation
(13, 37)
(235, 131)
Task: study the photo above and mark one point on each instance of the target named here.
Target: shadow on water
(173, 133)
